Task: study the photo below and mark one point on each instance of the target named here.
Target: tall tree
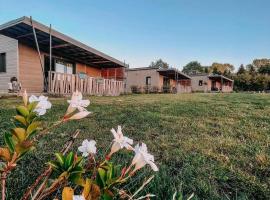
(264, 69)
(241, 69)
(159, 64)
(193, 67)
(261, 62)
(251, 69)
(220, 67)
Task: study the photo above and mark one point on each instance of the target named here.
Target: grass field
(213, 145)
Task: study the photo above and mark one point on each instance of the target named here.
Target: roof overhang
(173, 74)
(62, 45)
(217, 76)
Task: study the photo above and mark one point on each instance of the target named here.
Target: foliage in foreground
(93, 179)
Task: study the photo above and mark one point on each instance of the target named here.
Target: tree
(251, 69)
(221, 68)
(193, 67)
(264, 69)
(159, 64)
(216, 71)
(241, 69)
(257, 63)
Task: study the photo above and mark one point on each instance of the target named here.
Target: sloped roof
(62, 45)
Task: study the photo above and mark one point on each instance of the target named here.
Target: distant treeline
(252, 77)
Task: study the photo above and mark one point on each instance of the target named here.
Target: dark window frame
(147, 80)
(200, 82)
(3, 69)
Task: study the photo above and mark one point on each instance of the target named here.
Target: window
(148, 80)
(2, 62)
(200, 82)
(63, 67)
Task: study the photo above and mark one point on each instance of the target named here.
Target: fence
(62, 83)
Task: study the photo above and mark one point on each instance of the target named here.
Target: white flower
(80, 115)
(78, 197)
(88, 147)
(142, 157)
(77, 102)
(120, 141)
(43, 104)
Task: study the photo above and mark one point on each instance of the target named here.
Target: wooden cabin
(211, 83)
(45, 60)
(155, 80)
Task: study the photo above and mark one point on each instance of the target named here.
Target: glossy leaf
(5, 154)
(69, 160)
(9, 142)
(102, 176)
(54, 166)
(20, 119)
(60, 159)
(22, 110)
(32, 106)
(67, 193)
(32, 127)
(87, 188)
(19, 133)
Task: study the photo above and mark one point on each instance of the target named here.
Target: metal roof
(172, 72)
(62, 45)
(220, 76)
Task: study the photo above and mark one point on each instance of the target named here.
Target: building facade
(157, 80)
(211, 83)
(45, 60)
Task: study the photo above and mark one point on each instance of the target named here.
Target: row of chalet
(172, 80)
(40, 59)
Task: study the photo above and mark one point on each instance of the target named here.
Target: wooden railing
(61, 83)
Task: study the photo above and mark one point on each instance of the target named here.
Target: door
(213, 85)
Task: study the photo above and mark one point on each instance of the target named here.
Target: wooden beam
(60, 45)
(102, 62)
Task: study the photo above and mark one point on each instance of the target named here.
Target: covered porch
(220, 83)
(62, 64)
(177, 81)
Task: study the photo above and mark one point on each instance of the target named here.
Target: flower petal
(80, 115)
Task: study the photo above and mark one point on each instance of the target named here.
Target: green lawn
(213, 145)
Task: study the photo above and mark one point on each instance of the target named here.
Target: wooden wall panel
(90, 71)
(30, 73)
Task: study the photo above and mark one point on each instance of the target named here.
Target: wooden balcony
(64, 84)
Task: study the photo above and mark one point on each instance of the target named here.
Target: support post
(40, 59)
(50, 74)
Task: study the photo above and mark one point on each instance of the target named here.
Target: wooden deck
(63, 84)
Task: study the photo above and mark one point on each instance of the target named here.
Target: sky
(141, 31)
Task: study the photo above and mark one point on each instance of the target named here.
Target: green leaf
(19, 133)
(31, 117)
(22, 111)
(54, 166)
(106, 196)
(60, 159)
(102, 176)
(32, 106)
(20, 119)
(9, 142)
(69, 160)
(32, 127)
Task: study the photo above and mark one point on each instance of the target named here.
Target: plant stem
(48, 170)
(3, 181)
(45, 131)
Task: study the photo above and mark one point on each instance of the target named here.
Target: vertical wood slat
(62, 83)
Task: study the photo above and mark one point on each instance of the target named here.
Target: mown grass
(213, 145)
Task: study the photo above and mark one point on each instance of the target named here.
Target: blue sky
(140, 31)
